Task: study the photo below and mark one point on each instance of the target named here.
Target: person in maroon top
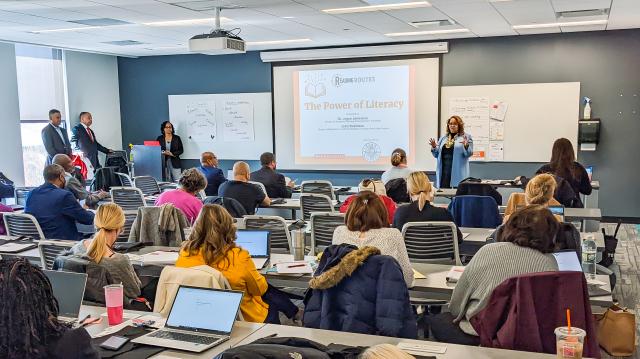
(377, 187)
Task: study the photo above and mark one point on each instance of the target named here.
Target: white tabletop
(328, 336)
(240, 331)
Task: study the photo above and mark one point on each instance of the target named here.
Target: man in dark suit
(55, 137)
(84, 139)
(215, 176)
(273, 181)
(55, 208)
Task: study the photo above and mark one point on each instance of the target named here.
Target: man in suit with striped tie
(84, 139)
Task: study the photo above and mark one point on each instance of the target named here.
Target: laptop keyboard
(184, 337)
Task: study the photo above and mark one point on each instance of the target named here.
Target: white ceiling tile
(545, 30)
(577, 5)
(522, 12)
(377, 21)
(624, 14)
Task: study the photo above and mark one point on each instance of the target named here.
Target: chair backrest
(315, 203)
(323, 224)
(50, 250)
(261, 185)
(276, 225)
(22, 224)
(318, 187)
(147, 184)
(125, 180)
(500, 325)
(172, 278)
(232, 205)
(475, 211)
(129, 217)
(129, 198)
(432, 242)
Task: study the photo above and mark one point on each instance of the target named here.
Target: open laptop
(257, 243)
(200, 318)
(568, 261)
(68, 289)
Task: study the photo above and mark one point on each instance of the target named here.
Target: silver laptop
(68, 289)
(257, 243)
(568, 261)
(200, 318)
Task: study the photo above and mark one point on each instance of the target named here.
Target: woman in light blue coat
(452, 151)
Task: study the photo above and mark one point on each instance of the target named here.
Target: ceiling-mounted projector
(218, 41)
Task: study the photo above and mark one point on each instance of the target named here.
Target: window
(40, 88)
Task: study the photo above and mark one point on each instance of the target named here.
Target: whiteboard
(235, 126)
(537, 115)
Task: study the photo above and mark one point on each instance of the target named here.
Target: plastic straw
(569, 320)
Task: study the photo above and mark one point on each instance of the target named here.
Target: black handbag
(610, 245)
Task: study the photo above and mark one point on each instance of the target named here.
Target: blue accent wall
(604, 62)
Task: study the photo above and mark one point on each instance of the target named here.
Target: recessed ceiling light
(382, 7)
(67, 29)
(276, 42)
(288, 17)
(560, 24)
(187, 22)
(432, 32)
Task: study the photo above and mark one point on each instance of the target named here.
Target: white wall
(92, 85)
(10, 143)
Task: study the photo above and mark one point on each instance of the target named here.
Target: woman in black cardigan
(171, 150)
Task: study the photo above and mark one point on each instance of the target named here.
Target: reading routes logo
(339, 80)
(314, 86)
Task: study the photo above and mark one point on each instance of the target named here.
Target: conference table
(244, 333)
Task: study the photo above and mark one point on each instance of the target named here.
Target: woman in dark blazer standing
(171, 150)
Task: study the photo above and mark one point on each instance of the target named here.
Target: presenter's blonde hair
(385, 351)
(418, 184)
(540, 189)
(109, 218)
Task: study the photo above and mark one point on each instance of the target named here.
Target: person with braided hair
(539, 190)
(29, 326)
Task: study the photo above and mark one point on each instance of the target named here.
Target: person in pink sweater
(185, 198)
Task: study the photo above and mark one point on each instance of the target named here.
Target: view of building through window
(41, 87)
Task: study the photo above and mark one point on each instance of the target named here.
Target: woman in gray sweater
(524, 246)
(109, 221)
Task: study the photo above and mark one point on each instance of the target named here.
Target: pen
(83, 321)
(297, 265)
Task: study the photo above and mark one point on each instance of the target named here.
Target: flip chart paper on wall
(498, 110)
(474, 111)
(237, 119)
(201, 121)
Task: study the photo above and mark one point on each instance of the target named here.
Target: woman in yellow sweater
(212, 242)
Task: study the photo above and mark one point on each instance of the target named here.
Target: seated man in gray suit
(54, 137)
(74, 186)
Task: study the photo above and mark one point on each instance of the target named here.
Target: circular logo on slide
(371, 151)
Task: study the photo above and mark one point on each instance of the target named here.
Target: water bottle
(297, 247)
(589, 251)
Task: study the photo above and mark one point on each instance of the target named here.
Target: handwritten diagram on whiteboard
(201, 121)
(237, 119)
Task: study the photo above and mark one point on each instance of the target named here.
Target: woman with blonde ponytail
(400, 169)
(109, 221)
(421, 192)
(539, 190)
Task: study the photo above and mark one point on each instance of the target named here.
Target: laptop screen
(68, 288)
(568, 261)
(255, 242)
(557, 210)
(220, 307)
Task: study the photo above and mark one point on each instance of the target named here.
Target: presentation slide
(351, 116)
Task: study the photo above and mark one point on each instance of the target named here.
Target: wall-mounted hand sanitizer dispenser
(588, 134)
